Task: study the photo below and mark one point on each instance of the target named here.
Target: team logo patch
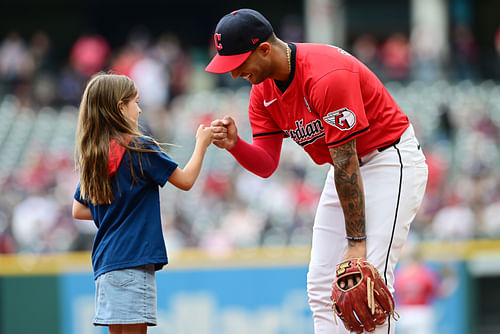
(343, 119)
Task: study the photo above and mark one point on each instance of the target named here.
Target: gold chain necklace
(288, 58)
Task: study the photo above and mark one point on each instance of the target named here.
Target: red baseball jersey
(331, 99)
(416, 284)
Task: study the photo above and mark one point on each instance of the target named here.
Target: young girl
(120, 173)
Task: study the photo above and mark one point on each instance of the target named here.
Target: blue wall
(264, 300)
(207, 301)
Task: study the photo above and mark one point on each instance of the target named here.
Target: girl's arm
(81, 211)
(184, 178)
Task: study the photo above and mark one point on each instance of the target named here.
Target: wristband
(356, 238)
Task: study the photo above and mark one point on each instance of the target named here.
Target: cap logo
(255, 40)
(217, 38)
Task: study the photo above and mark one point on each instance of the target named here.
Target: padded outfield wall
(249, 291)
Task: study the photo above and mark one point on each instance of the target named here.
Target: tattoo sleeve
(349, 188)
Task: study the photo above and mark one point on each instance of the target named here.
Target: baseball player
(339, 112)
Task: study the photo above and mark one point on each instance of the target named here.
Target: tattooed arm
(350, 190)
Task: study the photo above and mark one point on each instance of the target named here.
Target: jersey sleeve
(157, 165)
(337, 99)
(261, 157)
(77, 196)
(260, 120)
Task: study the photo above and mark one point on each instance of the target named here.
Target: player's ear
(264, 48)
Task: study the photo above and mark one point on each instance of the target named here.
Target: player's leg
(394, 182)
(328, 245)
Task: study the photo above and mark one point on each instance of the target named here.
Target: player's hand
(355, 250)
(225, 133)
(204, 135)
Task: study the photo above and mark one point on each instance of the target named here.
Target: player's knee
(319, 285)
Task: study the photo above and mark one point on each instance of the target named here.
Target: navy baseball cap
(237, 34)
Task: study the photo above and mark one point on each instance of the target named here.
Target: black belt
(383, 148)
(391, 144)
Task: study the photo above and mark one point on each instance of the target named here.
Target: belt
(380, 149)
(361, 162)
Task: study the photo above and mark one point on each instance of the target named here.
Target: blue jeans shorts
(126, 296)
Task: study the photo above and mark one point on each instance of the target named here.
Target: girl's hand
(204, 135)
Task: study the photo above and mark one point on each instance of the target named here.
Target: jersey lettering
(304, 135)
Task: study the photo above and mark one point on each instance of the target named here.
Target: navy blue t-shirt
(129, 229)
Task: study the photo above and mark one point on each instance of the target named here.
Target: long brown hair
(99, 121)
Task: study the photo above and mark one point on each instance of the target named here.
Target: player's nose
(235, 73)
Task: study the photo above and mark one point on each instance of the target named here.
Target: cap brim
(224, 64)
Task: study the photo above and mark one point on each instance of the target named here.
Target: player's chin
(247, 77)
(254, 80)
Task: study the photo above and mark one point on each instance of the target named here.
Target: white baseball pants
(394, 182)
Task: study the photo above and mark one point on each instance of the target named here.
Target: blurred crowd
(33, 71)
(419, 56)
(456, 114)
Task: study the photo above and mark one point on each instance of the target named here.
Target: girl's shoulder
(145, 143)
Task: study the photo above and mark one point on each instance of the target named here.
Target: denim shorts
(126, 296)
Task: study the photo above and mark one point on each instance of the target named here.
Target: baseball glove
(365, 305)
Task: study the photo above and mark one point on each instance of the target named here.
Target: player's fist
(225, 133)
